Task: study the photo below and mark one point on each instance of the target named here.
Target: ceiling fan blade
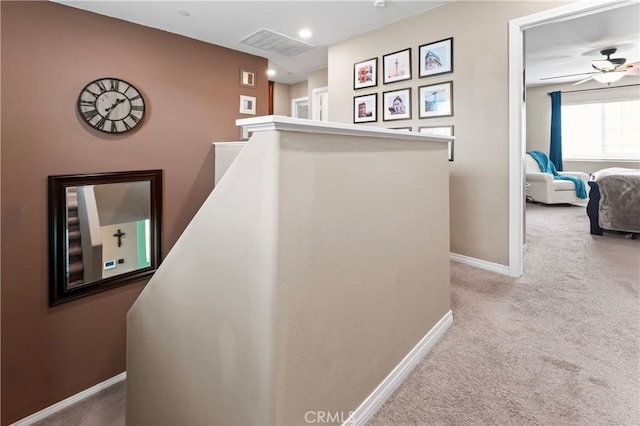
(585, 80)
(632, 68)
(568, 75)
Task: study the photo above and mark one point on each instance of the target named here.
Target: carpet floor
(558, 346)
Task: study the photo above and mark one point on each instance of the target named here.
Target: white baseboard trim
(372, 404)
(478, 263)
(42, 414)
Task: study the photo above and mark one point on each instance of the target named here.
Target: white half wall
(318, 262)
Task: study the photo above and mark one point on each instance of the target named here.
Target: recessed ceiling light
(305, 33)
(271, 73)
(184, 13)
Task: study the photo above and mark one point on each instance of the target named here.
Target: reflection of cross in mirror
(119, 236)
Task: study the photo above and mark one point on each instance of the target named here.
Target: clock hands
(110, 109)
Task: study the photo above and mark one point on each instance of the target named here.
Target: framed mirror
(105, 230)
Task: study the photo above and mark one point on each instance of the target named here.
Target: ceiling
(225, 23)
(568, 47)
(555, 49)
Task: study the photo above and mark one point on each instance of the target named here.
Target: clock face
(111, 105)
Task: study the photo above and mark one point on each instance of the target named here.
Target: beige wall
(282, 99)
(298, 299)
(539, 119)
(355, 258)
(49, 52)
(285, 93)
(479, 175)
(318, 79)
(299, 90)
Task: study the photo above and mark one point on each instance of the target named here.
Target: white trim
(316, 96)
(516, 110)
(516, 151)
(479, 263)
(372, 404)
(295, 103)
(51, 410)
(231, 144)
(279, 122)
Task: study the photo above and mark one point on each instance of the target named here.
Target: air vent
(275, 42)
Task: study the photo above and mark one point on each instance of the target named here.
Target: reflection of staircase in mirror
(74, 242)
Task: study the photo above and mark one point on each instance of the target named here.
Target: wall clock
(111, 105)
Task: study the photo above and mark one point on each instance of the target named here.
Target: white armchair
(541, 187)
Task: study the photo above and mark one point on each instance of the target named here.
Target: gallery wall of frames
(380, 94)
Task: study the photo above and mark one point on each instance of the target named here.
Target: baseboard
(478, 263)
(42, 414)
(372, 404)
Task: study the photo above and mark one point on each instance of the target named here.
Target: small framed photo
(365, 74)
(396, 105)
(247, 105)
(435, 58)
(365, 108)
(440, 130)
(396, 66)
(435, 100)
(247, 78)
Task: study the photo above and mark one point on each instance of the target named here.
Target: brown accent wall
(191, 89)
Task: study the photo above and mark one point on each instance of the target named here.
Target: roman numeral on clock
(101, 86)
(89, 114)
(100, 123)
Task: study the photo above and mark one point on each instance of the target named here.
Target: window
(601, 130)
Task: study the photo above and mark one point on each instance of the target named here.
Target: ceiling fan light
(609, 77)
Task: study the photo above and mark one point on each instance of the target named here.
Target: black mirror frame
(57, 185)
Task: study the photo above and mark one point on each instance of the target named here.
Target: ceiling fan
(607, 70)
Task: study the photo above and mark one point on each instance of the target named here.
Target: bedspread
(619, 208)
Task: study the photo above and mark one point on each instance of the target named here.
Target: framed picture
(435, 100)
(405, 129)
(247, 78)
(247, 105)
(396, 105)
(435, 58)
(364, 108)
(365, 74)
(440, 130)
(396, 66)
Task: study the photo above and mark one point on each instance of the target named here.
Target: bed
(614, 201)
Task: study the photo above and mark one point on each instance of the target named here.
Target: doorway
(300, 107)
(320, 102)
(517, 113)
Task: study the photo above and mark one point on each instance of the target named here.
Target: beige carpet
(560, 346)
(557, 347)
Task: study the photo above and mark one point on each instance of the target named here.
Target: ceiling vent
(275, 42)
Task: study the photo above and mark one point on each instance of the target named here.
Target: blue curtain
(555, 150)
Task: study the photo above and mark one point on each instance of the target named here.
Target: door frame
(316, 95)
(294, 105)
(517, 111)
